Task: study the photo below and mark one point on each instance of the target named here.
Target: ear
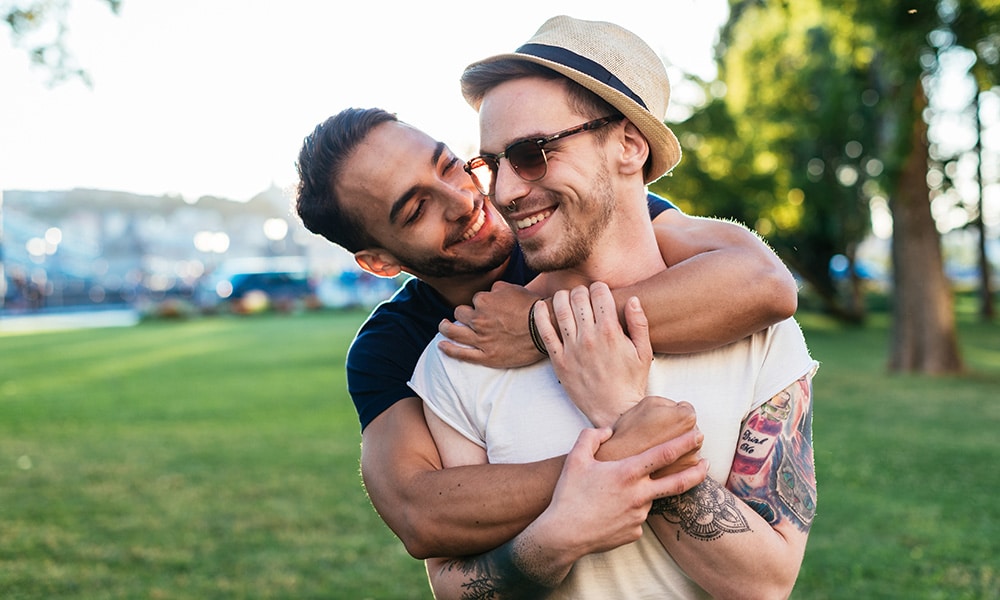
(635, 150)
(378, 262)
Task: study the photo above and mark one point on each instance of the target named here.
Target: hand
(496, 329)
(598, 506)
(603, 370)
(653, 421)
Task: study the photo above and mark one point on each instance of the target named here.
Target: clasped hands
(603, 368)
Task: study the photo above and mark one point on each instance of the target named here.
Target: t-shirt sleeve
(435, 382)
(379, 364)
(787, 359)
(658, 205)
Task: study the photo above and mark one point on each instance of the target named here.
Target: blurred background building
(82, 248)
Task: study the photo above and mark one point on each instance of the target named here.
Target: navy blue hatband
(582, 64)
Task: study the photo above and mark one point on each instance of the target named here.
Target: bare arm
(723, 283)
(596, 506)
(469, 509)
(749, 537)
(437, 511)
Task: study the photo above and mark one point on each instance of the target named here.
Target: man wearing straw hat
(572, 130)
(400, 201)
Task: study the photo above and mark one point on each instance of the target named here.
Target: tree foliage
(791, 141)
(39, 27)
(823, 112)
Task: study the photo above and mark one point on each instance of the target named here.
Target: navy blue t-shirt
(383, 355)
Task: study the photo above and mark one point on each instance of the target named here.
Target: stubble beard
(576, 241)
(443, 267)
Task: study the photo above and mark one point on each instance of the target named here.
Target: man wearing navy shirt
(400, 201)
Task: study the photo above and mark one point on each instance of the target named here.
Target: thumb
(638, 328)
(589, 441)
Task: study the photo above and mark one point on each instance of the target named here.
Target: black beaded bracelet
(536, 338)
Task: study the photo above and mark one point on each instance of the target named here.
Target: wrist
(542, 554)
(536, 338)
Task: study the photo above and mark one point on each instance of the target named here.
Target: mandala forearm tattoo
(496, 575)
(705, 512)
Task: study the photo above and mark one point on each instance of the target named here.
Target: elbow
(417, 535)
(777, 583)
(412, 526)
(774, 587)
(782, 292)
(776, 590)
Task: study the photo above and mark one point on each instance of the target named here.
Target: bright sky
(213, 97)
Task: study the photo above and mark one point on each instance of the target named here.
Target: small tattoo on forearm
(494, 576)
(705, 512)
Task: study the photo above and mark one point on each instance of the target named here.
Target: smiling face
(413, 196)
(559, 219)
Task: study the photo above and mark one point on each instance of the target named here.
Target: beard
(442, 267)
(576, 240)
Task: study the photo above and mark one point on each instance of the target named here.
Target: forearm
(464, 510)
(596, 506)
(726, 547)
(722, 284)
(446, 512)
(712, 299)
(749, 537)
(519, 569)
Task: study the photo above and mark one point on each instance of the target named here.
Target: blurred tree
(975, 25)
(824, 112)
(923, 333)
(789, 148)
(39, 27)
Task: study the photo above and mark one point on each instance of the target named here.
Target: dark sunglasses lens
(481, 171)
(528, 160)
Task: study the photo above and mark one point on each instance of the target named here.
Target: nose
(508, 188)
(460, 201)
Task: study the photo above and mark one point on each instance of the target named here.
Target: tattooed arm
(749, 537)
(596, 506)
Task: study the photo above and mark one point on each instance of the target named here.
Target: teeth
(471, 231)
(525, 223)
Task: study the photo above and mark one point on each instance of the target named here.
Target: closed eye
(415, 216)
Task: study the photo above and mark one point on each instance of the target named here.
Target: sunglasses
(526, 157)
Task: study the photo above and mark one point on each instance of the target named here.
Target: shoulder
(391, 339)
(414, 311)
(658, 204)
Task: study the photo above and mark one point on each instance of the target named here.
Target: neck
(460, 289)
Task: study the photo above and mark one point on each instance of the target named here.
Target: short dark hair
(477, 80)
(321, 164)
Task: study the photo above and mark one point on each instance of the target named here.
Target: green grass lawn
(218, 458)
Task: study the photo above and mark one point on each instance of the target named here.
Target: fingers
(545, 328)
(605, 313)
(460, 343)
(667, 453)
(457, 332)
(678, 483)
(638, 328)
(580, 303)
(464, 314)
(462, 353)
(588, 442)
(563, 310)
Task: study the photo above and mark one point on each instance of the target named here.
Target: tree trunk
(985, 269)
(923, 339)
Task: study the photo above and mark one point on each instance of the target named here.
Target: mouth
(475, 227)
(532, 220)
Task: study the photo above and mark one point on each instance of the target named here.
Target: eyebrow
(400, 202)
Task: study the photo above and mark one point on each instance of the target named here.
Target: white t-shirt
(523, 415)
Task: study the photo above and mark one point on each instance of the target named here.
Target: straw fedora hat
(615, 64)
